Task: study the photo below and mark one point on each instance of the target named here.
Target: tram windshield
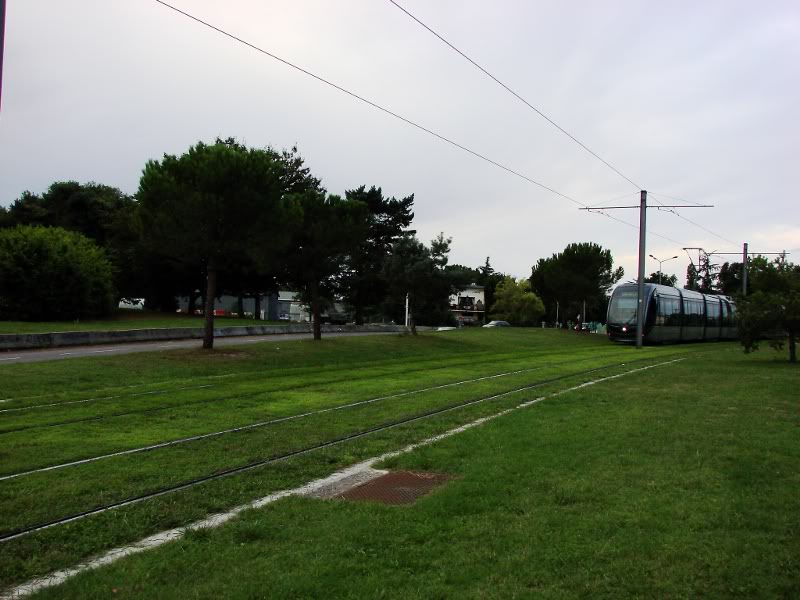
(623, 307)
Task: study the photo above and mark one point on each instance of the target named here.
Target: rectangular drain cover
(397, 487)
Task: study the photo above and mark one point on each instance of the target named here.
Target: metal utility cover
(397, 487)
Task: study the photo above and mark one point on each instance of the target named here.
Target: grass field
(675, 481)
(126, 319)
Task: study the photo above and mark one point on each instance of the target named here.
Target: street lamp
(660, 262)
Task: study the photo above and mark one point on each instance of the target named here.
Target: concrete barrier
(90, 338)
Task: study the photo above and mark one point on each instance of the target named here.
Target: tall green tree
(772, 311)
(363, 285)
(489, 279)
(418, 271)
(330, 228)
(581, 273)
(214, 204)
(516, 303)
(100, 212)
(692, 278)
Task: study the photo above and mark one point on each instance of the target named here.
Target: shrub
(49, 273)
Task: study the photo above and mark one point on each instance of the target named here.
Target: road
(27, 356)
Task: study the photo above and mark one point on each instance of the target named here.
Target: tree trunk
(211, 292)
(257, 308)
(315, 312)
(240, 306)
(792, 346)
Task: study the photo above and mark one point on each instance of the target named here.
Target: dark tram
(671, 315)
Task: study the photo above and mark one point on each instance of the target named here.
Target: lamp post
(660, 262)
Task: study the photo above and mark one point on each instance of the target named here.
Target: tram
(670, 315)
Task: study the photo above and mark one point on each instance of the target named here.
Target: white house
(468, 305)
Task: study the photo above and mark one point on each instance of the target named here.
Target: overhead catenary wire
(390, 112)
(520, 98)
(556, 125)
(680, 216)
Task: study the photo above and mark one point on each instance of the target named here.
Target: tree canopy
(581, 273)
(49, 272)
(516, 303)
(388, 218)
(213, 205)
(772, 311)
(331, 228)
(419, 271)
(662, 279)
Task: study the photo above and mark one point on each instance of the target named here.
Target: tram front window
(623, 307)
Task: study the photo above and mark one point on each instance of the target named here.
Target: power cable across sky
(404, 119)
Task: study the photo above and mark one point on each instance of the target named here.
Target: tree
(772, 311)
(414, 269)
(213, 205)
(52, 273)
(363, 285)
(100, 212)
(581, 273)
(489, 279)
(516, 303)
(692, 278)
(662, 279)
(331, 227)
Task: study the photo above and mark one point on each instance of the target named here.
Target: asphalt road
(27, 356)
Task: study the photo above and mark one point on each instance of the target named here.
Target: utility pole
(642, 206)
(2, 43)
(744, 269)
(640, 292)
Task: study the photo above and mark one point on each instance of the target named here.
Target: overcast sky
(697, 100)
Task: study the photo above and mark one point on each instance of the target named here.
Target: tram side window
(731, 315)
(669, 312)
(694, 313)
(713, 317)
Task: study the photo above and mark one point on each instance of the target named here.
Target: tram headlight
(624, 329)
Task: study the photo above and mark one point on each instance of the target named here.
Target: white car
(498, 324)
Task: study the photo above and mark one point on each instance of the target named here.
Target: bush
(49, 273)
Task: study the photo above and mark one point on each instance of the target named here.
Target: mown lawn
(579, 495)
(126, 319)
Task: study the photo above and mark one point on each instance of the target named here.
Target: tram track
(23, 531)
(221, 398)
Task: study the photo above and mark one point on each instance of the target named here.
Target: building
(468, 305)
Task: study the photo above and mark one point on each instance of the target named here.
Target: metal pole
(556, 313)
(659, 272)
(406, 310)
(640, 295)
(2, 43)
(744, 270)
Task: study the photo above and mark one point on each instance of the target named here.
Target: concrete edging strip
(29, 341)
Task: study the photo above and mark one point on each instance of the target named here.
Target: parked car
(498, 324)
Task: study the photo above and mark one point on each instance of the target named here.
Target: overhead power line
(520, 98)
(552, 122)
(680, 216)
(394, 114)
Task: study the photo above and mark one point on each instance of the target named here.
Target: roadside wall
(89, 338)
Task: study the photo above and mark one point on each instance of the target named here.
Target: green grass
(126, 319)
(572, 485)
